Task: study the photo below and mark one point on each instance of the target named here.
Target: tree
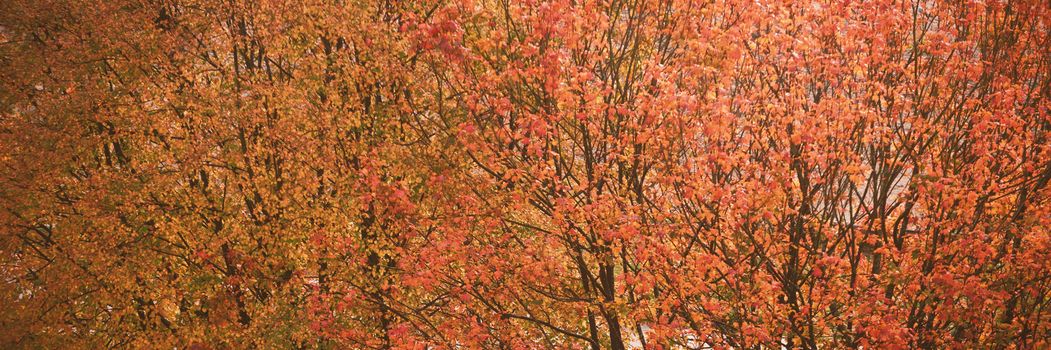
(537, 174)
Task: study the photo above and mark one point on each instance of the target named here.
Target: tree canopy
(496, 174)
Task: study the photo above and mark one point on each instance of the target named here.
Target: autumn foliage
(524, 174)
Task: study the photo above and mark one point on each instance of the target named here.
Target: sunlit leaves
(524, 174)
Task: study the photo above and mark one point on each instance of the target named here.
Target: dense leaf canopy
(468, 174)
